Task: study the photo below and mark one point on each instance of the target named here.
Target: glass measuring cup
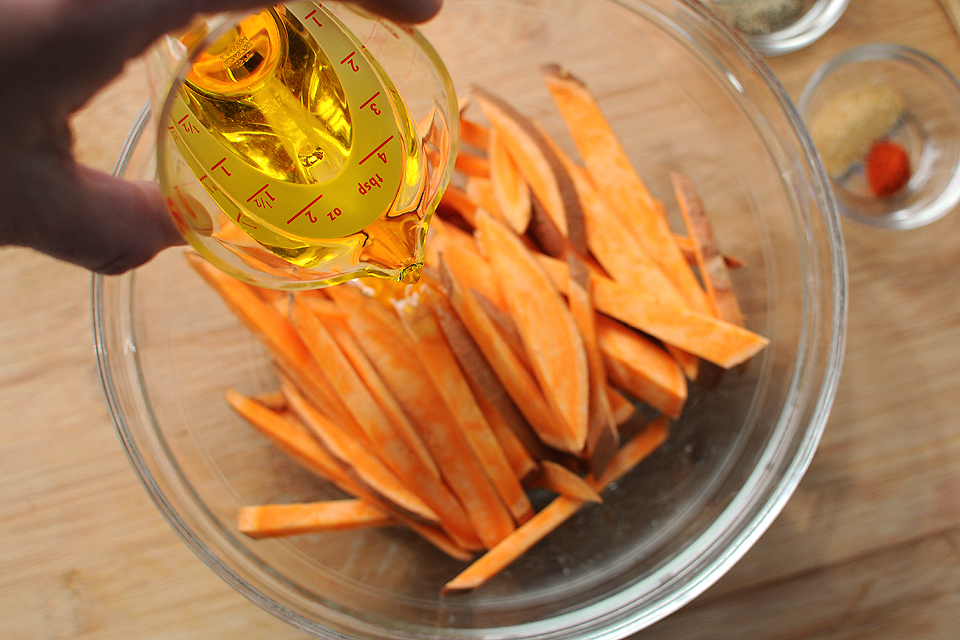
(304, 144)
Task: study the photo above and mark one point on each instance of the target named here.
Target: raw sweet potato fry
(613, 244)
(441, 365)
(618, 252)
(294, 439)
(435, 490)
(291, 437)
(520, 460)
(641, 368)
(561, 480)
(358, 457)
(617, 181)
(276, 333)
(378, 332)
(713, 269)
(509, 187)
(546, 236)
(463, 258)
(493, 397)
(553, 344)
(384, 398)
(397, 443)
(474, 134)
(510, 371)
(576, 231)
(602, 437)
(533, 156)
(719, 342)
(620, 406)
(472, 164)
(480, 190)
(557, 512)
(456, 199)
(278, 520)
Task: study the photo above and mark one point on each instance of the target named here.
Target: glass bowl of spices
(886, 121)
(776, 27)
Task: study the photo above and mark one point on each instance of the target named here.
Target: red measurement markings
(313, 16)
(221, 166)
(240, 220)
(209, 186)
(186, 125)
(262, 198)
(306, 210)
(372, 104)
(382, 156)
(349, 59)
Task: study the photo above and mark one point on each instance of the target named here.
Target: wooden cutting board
(868, 548)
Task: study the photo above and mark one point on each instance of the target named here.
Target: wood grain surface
(868, 547)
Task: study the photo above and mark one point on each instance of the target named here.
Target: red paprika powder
(887, 168)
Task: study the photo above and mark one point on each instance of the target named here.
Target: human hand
(56, 55)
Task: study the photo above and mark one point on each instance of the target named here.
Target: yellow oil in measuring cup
(304, 145)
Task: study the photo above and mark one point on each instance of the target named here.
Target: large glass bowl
(684, 93)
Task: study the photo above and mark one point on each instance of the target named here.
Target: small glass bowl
(929, 131)
(814, 18)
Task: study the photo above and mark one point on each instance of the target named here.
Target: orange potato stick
(260, 317)
(544, 233)
(441, 365)
(292, 438)
(558, 511)
(460, 253)
(358, 457)
(397, 444)
(719, 342)
(472, 164)
(457, 200)
(618, 183)
(641, 368)
(509, 187)
(379, 333)
(511, 372)
(275, 331)
(534, 157)
(602, 436)
(620, 406)
(576, 231)
(713, 270)
(474, 134)
(559, 479)
(384, 397)
(553, 343)
(335, 320)
(504, 323)
(480, 190)
(280, 520)
(620, 253)
(274, 400)
(493, 397)
(521, 461)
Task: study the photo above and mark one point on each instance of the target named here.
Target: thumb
(103, 223)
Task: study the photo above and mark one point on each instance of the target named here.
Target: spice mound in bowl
(885, 120)
(776, 27)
